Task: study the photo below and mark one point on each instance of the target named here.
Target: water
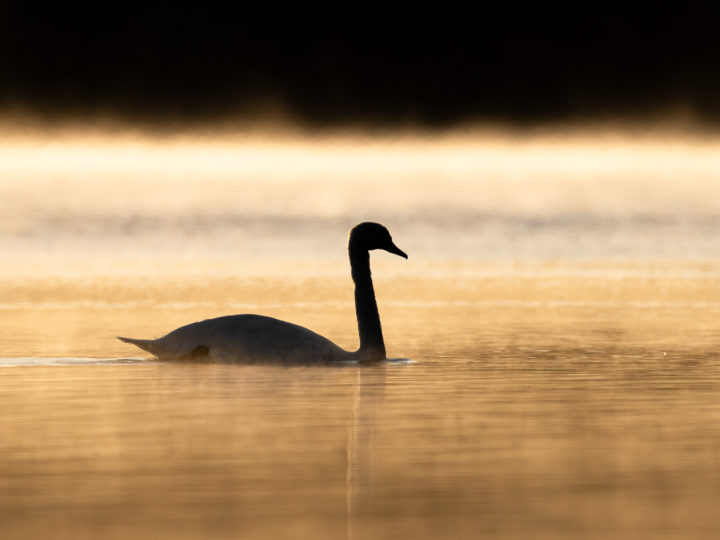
(555, 346)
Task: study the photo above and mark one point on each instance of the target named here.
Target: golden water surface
(554, 342)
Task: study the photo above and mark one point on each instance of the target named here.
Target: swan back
(252, 338)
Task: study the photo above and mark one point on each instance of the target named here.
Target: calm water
(555, 335)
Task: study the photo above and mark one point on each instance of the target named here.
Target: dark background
(328, 68)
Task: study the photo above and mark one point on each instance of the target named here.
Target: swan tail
(145, 344)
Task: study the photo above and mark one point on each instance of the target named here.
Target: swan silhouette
(256, 338)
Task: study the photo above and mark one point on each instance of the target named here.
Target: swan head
(369, 236)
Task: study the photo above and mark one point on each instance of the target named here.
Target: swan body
(250, 338)
(256, 338)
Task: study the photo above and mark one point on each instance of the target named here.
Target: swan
(256, 338)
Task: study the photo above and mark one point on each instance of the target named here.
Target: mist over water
(470, 196)
(559, 310)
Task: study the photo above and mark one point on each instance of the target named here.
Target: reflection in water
(523, 413)
(369, 392)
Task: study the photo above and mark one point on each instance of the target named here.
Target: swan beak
(392, 248)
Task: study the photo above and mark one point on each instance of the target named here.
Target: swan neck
(372, 345)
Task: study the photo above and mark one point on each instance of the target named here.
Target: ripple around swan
(31, 361)
(400, 361)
